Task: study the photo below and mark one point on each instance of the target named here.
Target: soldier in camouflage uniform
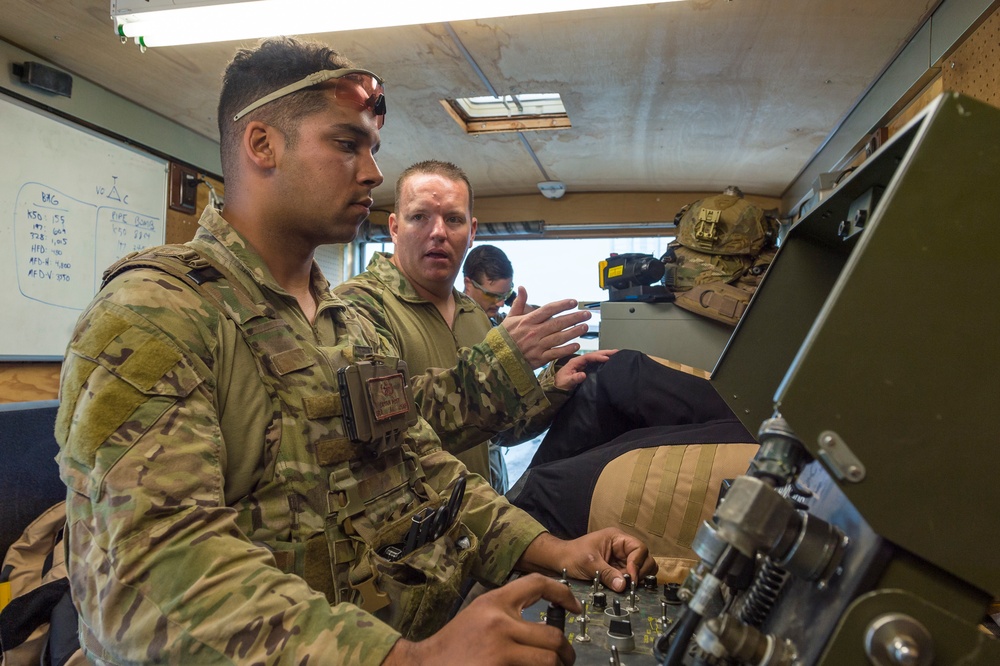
(411, 298)
(489, 280)
(220, 508)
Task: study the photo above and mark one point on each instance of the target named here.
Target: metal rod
(470, 59)
(493, 91)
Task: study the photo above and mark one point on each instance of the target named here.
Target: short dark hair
(259, 71)
(487, 261)
(438, 167)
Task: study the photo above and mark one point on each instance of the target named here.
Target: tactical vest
(352, 485)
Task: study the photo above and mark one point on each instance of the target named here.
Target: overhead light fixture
(174, 22)
(552, 189)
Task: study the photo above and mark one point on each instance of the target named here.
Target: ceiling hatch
(509, 113)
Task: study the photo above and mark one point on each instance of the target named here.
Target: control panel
(615, 628)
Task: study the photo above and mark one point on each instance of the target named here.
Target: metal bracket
(706, 232)
(839, 458)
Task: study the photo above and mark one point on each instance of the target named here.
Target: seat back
(29, 474)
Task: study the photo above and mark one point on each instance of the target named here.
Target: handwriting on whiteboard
(66, 243)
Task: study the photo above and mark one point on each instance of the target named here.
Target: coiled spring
(763, 593)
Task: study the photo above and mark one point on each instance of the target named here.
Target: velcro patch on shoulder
(149, 363)
(100, 332)
(117, 368)
(100, 416)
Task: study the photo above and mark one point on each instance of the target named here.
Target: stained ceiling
(683, 96)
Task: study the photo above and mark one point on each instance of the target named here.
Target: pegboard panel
(974, 67)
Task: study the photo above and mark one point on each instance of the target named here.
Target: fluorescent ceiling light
(173, 22)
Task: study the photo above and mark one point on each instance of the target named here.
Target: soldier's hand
(609, 552)
(576, 369)
(540, 334)
(612, 553)
(491, 631)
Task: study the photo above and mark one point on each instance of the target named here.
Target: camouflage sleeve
(529, 426)
(490, 388)
(159, 569)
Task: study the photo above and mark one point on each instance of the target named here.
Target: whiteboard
(72, 202)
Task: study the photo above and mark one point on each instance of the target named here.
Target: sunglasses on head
(357, 86)
(507, 297)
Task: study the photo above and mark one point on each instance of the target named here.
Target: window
(532, 104)
(509, 113)
(556, 268)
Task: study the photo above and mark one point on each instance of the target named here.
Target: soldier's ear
(261, 143)
(393, 227)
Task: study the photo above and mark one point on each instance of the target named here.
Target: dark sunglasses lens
(378, 108)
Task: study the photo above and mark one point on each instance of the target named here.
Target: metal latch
(706, 232)
(839, 457)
